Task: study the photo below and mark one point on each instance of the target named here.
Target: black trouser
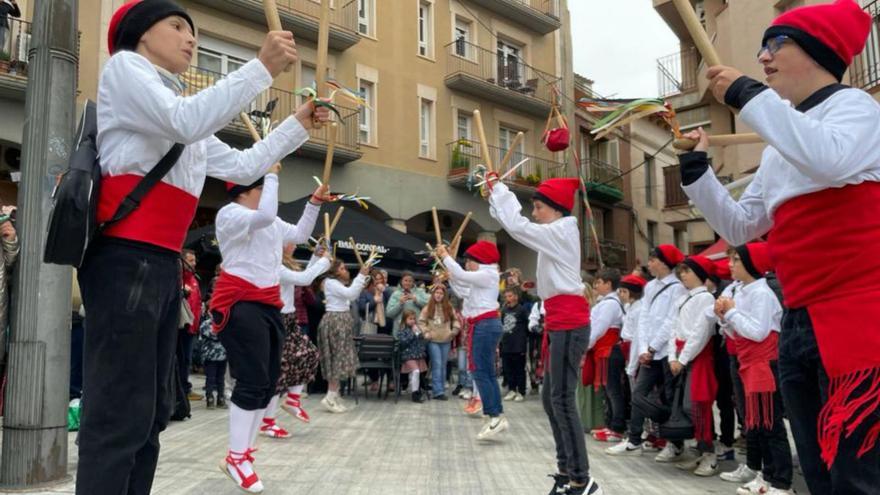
(651, 377)
(76, 356)
(215, 374)
(615, 402)
(131, 293)
(184, 357)
(804, 385)
(768, 451)
(561, 377)
(724, 397)
(514, 366)
(252, 339)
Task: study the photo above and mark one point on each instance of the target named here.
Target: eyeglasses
(773, 45)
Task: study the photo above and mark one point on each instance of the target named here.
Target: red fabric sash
(230, 290)
(731, 345)
(472, 322)
(595, 366)
(704, 389)
(758, 379)
(818, 243)
(562, 312)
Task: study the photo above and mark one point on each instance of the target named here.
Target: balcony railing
(465, 155)
(539, 15)
(603, 180)
(865, 71)
(677, 73)
(347, 148)
(504, 80)
(675, 195)
(14, 49)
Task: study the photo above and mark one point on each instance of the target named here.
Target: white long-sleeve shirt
(658, 315)
(481, 287)
(691, 326)
(757, 311)
(558, 244)
(339, 297)
(606, 313)
(631, 332)
(251, 241)
(729, 291)
(291, 279)
(834, 144)
(139, 119)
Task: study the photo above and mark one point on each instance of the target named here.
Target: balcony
(13, 60)
(670, 15)
(300, 16)
(865, 71)
(675, 196)
(347, 149)
(677, 73)
(464, 156)
(509, 82)
(604, 182)
(539, 15)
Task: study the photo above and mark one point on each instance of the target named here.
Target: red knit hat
(484, 252)
(668, 254)
(722, 269)
(135, 18)
(701, 265)
(633, 283)
(233, 189)
(832, 34)
(755, 258)
(558, 193)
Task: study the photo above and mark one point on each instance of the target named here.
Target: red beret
(701, 265)
(484, 252)
(558, 193)
(668, 254)
(633, 283)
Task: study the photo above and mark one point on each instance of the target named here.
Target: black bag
(679, 426)
(652, 408)
(73, 219)
(182, 409)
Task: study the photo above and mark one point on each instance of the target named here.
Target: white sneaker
(333, 405)
(466, 394)
(689, 465)
(757, 485)
(493, 428)
(708, 465)
(742, 475)
(624, 448)
(779, 491)
(670, 453)
(510, 395)
(519, 397)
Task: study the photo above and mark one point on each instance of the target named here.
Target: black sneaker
(210, 401)
(591, 488)
(439, 397)
(456, 390)
(221, 401)
(418, 397)
(560, 484)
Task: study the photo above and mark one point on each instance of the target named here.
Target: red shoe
(608, 436)
(272, 430)
(474, 407)
(293, 406)
(653, 443)
(232, 467)
(597, 430)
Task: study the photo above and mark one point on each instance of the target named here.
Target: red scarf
(563, 312)
(595, 369)
(758, 379)
(704, 389)
(817, 243)
(230, 290)
(472, 322)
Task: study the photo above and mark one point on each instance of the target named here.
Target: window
(464, 125)
(221, 56)
(426, 128)
(307, 78)
(649, 179)
(365, 17)
(426, 32)
(652, 234)
(510, 68)
(506, 136)
(463, 38)
(366, 119)
(678, 239)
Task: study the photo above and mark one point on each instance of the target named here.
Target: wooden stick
(331, 148)
(327, 227)
(436, 225)
(336, 219)
(701, 39)
(484, 146)
(720, 140)
(453, 247)
(273, 20)
(323, 48)
(357, 254)
(434, 253)
(507, 156)
(250, 127)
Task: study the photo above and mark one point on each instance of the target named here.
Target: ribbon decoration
(354, 198)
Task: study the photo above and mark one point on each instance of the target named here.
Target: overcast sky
(617, 44)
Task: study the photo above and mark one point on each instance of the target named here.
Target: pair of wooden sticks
(456, 240)
(357, 253)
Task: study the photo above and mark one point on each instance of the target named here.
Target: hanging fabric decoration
(620, 114)
(557, 138)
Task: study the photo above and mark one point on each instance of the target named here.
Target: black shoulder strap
(661, 292)
(133, 200)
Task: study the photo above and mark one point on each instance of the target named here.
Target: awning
(716, 251)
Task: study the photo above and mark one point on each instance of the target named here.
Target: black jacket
(8, 10)
(515, 322)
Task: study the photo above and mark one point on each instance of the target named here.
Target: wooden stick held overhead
(436, 225)
(507, 156)
(327, 228)
(323, 48)
(484, 146)
(453, 247)
(701, 39)
(331, 148)
(720, 140)
(273, 20)
(434, 253)
(336, 219)
(357, 254)
(250, 127)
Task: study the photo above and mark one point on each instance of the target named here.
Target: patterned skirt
(299, 357)
(339, 359)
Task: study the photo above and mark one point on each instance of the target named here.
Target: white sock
(414, 381)
(272, 409)
(476, 392)
(296, 389)
(331, 395)
(255, 426)
(240, 423)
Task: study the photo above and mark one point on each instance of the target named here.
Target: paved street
(405, 449)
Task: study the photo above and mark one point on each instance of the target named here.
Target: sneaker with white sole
(757, 485)
(689, 465)
(560, 484)
(519, 397)
(670, 453)
(742, 475)
(725, 453)
(493, 428)
(240, 469)
(510, 395)
(708, 465)
(623, 449)
(591, 488)
(779, 491)
(332, 405)
(466, 394)
(609, 436)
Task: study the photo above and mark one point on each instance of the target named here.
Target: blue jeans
(439, 354)
(464, 376)
(487, 335)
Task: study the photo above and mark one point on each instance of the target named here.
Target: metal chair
(379, 352)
